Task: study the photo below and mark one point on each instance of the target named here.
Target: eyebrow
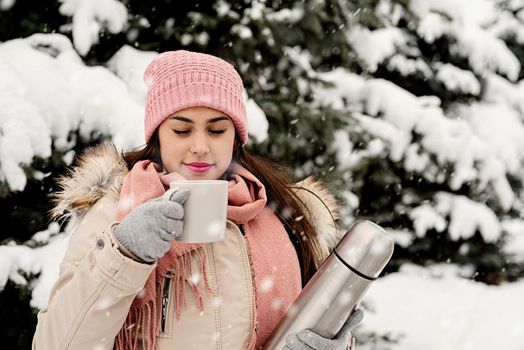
(187, 120)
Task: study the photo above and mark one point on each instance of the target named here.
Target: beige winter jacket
(97, 283)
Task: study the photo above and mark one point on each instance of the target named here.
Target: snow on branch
(46, 92)
(90, 17)
(373, 47)
(394, 115)
(18, 262)
(456, 79)
(460, 215)
(469, 23)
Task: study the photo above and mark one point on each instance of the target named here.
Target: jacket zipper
(165, 302)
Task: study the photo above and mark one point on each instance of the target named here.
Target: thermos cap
(366, 247)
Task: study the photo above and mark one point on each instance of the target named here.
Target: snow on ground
(436, 309)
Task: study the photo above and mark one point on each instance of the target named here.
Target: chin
(200, 177)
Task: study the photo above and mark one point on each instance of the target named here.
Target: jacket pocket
(166, 296)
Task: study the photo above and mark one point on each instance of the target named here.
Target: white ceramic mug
(205, 211)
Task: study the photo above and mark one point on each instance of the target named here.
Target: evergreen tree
(364, 94)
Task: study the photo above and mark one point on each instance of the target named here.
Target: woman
(126, 283)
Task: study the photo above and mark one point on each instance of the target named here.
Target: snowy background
(46, 91)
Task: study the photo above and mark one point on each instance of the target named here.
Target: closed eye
(217, 132)
(181, 132)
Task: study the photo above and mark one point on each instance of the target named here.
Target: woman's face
(197, 143)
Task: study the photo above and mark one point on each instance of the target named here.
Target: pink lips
(199, 167)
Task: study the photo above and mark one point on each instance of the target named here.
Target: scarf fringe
(192, 279)
(139, 324)
(142, 322)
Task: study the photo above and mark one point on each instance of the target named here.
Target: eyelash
(185, 132)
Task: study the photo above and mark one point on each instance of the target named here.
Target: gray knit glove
(309, 340)
(147, 231)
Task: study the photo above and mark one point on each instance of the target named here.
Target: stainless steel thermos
(339, 284)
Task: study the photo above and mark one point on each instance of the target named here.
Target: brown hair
(281, 198)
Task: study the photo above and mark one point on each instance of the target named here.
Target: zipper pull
(165, 302)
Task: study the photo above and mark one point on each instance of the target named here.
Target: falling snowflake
(276, 303)
(194, 278)
(215, 229)
(266, 284)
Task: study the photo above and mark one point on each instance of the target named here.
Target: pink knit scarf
(273, 257)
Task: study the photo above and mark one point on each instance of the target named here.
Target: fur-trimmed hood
(100, 170)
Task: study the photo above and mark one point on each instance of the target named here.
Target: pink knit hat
(181, 79)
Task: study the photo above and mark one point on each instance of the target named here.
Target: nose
(199, 145)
